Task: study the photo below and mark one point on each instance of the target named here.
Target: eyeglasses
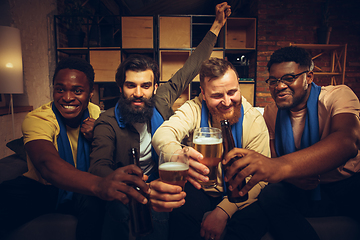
(287, 79)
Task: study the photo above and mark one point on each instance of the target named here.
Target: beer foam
(173, 166)
(207, 140)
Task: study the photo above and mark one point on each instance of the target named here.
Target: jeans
(185, 221)
(286, 206)
(117, 222)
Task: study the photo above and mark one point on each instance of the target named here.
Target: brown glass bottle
(229, 144)
(140, 214)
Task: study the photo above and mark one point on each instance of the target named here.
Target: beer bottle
(228, 144)
(140, 214)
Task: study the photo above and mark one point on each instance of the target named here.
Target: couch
(61, 226)
(53, 226)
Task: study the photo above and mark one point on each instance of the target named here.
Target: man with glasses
(314, 138)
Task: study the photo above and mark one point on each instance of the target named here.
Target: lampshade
(11, 69)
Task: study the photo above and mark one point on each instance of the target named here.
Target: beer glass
(208, 141)
(174, 164)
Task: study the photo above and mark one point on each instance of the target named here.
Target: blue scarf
(65, 152)
(236, 128)
(284, 138)
(156, 121)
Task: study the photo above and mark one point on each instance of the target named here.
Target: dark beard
(132, 114)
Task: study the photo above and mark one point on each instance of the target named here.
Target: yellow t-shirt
(41, 123)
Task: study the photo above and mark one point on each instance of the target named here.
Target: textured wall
(34, 19)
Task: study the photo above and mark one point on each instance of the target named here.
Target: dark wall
(5, 15)
(283, 22)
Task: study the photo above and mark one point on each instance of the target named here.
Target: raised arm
(170, 91)
(223, 11)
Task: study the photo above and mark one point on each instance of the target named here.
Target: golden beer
(211, 149)
(174, 173)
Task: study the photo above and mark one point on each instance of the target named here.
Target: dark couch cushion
(17, 146)
(332, 228)
(11, 167)
(54, 226)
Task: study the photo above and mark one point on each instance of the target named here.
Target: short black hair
(291, 54)
(77, 64)
(137, 63)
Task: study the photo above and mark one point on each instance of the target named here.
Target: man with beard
(141, 109)
(315, 142)
(220, 99)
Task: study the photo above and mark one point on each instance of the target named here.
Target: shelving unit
(236, 43)
(336, 60)
(111, 39)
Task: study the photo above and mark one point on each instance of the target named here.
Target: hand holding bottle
(140, 214)
(229, 144)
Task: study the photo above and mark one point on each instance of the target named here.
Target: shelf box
(247, 90)
(241, 33)
(182, 99)
(137, 32)
(105, 64)
(214, 54)
(171, 62)
(174, 32)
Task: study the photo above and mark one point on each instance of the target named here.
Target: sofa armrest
(332, 228)
(11, 167)
(52, 226)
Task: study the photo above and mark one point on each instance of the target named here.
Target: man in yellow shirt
(56, 138)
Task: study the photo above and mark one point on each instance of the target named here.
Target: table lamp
(11, 68)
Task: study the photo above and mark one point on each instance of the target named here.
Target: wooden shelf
(174, 48)
(105, 63)
(318, 46)
(337, 60)
(171, 62)
(241, 33)
(174, 32)
(170, 43)
(248, 91)
(137, 32)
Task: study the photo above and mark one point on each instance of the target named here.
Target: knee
(117, 211)
(272, 194)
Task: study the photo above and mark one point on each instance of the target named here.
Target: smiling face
(71, 94)
(295, 95)
(223, 97)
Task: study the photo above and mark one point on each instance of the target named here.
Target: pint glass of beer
(174, 164)
(208, 141)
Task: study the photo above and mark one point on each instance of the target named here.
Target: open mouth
(69, 107)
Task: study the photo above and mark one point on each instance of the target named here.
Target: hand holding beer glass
(208, 141)
(174, 164)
